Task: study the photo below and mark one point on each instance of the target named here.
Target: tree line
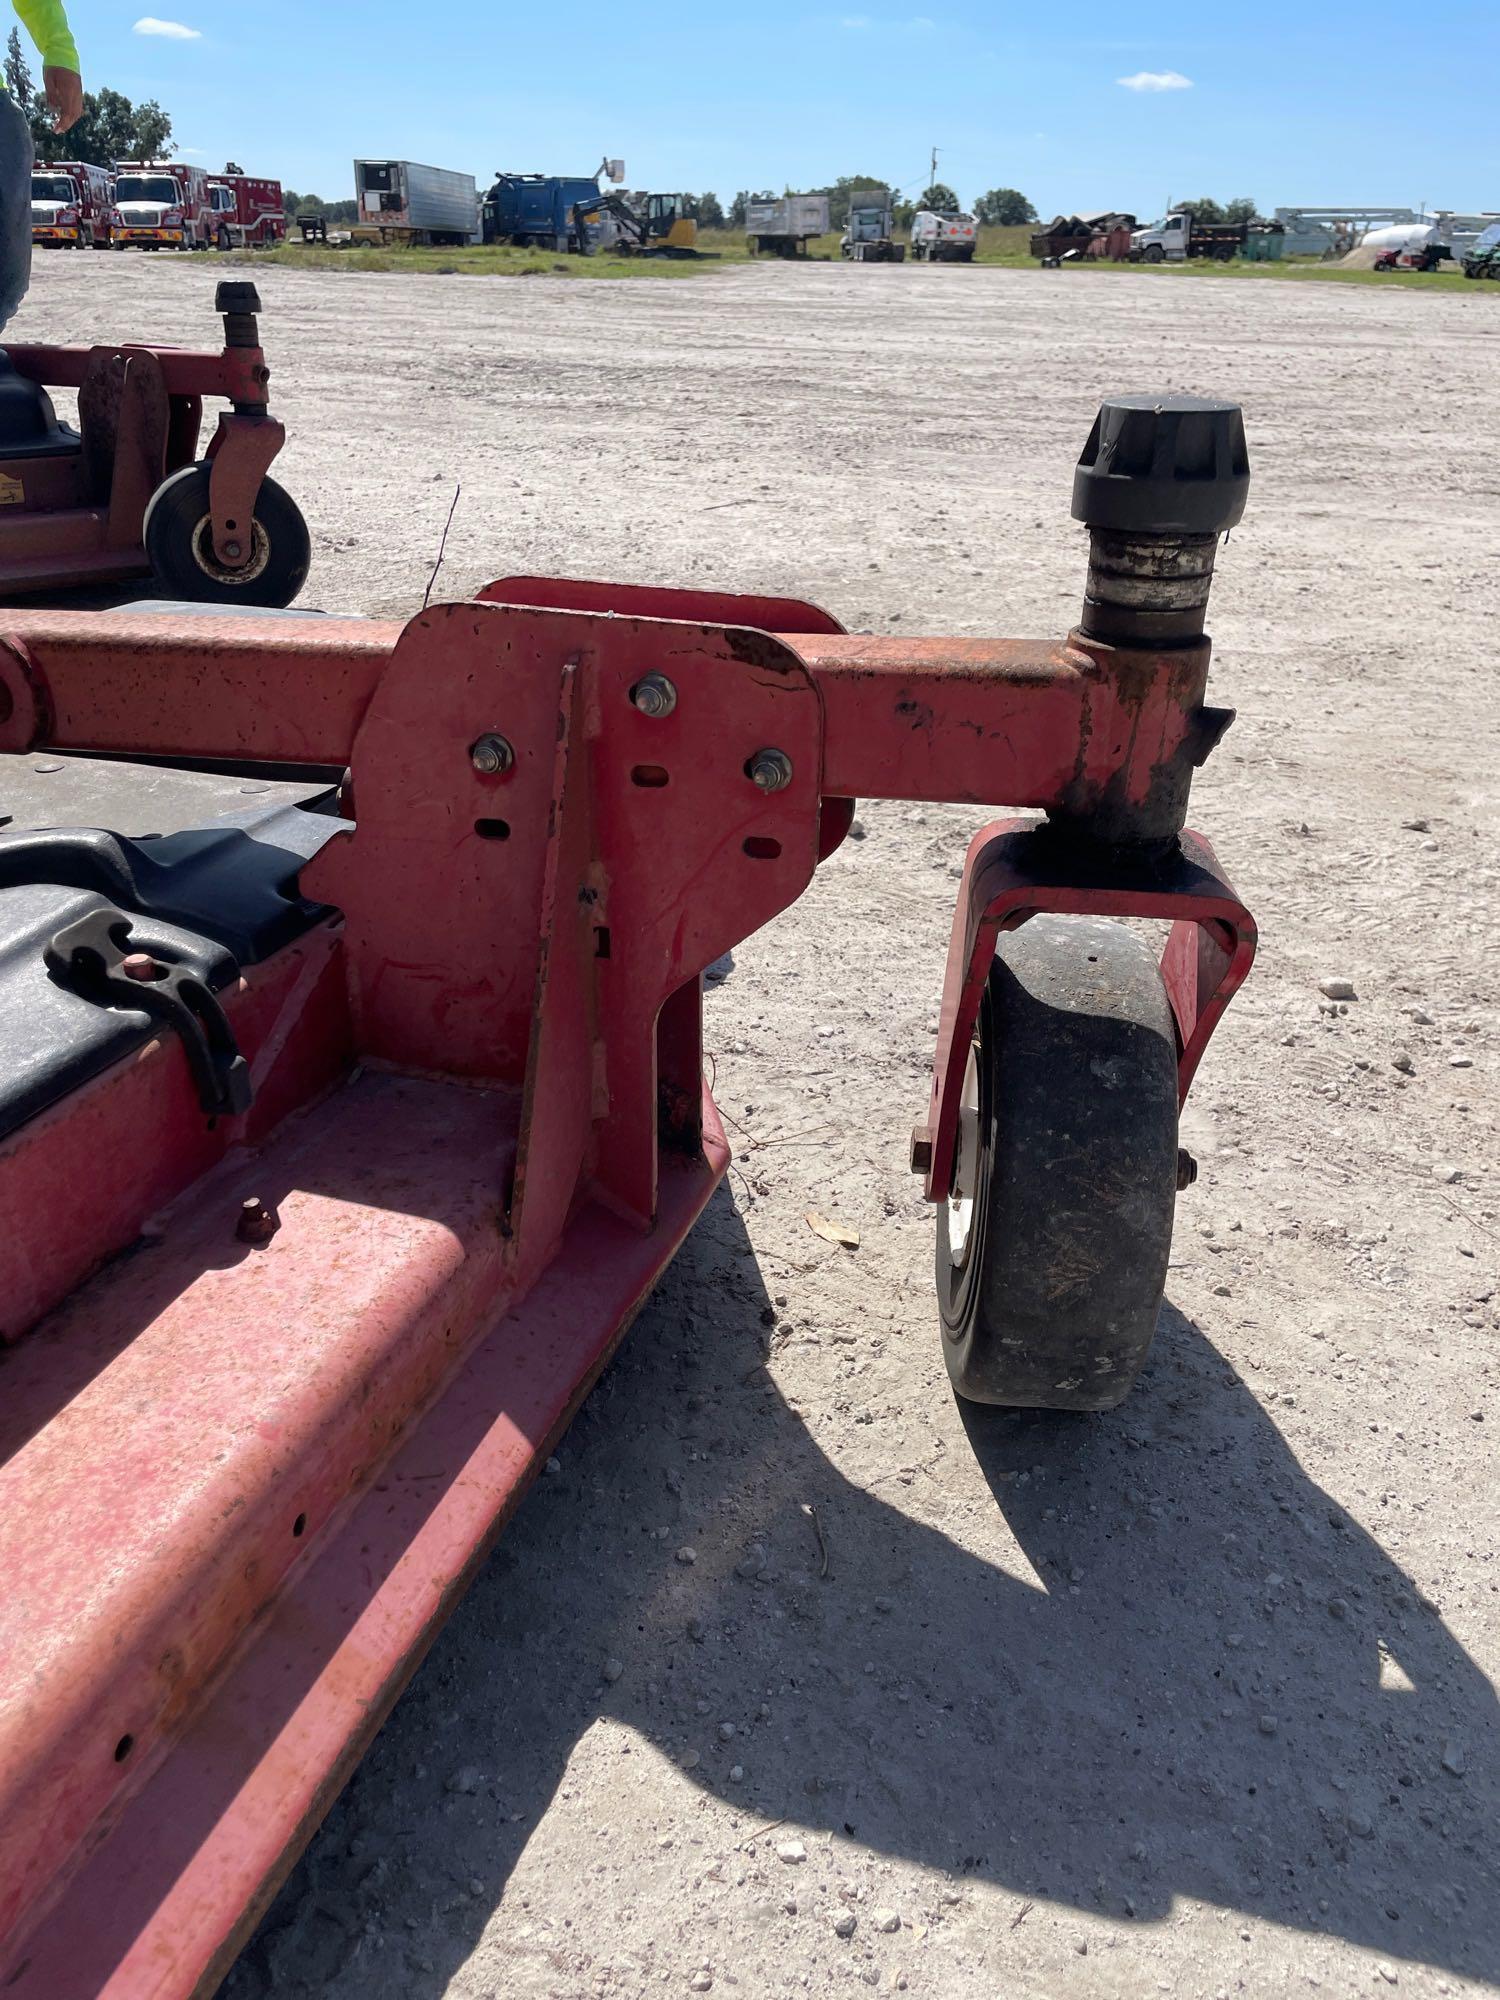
(1206, 209)
(111, 128)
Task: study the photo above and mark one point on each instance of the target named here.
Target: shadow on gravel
(1215, 1685)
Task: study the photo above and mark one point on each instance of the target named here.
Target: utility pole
(932, 171)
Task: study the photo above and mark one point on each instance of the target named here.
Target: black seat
(28, 422)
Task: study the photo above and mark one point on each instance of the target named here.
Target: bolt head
(1187, 1169)
(770, 770)
(491, 755)
(258, 1221)
(141, 965)
(921, 1150)
(233, 551)
(654, 695)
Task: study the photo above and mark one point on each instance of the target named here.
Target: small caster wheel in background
(179, 544)
(1052, 1248)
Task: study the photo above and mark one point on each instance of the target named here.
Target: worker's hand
(64, 88)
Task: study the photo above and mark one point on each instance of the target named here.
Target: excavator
(666, 227)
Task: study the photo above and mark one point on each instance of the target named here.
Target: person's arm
(47, 25)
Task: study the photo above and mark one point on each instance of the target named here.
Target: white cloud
(173, 31)
(1155, 79)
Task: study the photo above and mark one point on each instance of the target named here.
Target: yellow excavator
(667, 226)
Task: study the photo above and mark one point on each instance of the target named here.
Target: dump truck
(1181, 235)
(401, 201)
(869, 234)
(249, 213)
(544, 211)
(783, 225)
(942, 236)
(70, 205)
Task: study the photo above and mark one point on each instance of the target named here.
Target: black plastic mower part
(28, 422)
(1163, 465)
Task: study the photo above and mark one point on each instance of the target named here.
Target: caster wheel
(1052, 1248)
(179, 544)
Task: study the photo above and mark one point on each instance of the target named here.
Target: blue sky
(1321, 102)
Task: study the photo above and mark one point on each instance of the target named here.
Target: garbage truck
(544, 211)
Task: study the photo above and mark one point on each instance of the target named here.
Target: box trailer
(401, 201)
(783, 225)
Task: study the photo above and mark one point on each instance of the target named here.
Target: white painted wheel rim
(965, 1165)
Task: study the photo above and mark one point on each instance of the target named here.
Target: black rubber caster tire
(1052, 1253)
(180, 547)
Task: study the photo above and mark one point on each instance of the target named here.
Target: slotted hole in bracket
(650, 777)
(492, 829)
(761, 847)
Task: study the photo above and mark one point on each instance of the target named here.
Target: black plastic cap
(236, 295)
(1163, 465)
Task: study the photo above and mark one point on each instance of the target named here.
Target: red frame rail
(269, 1467)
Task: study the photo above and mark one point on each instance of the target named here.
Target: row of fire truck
(152, 205)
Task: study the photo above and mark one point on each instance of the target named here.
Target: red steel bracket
(239, 453)
(1013, 871)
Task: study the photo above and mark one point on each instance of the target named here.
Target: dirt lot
(1190, 1699)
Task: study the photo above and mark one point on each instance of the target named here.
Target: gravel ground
(1193, 1698)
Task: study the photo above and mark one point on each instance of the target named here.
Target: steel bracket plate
(1015, 870)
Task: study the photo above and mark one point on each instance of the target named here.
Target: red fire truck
(70, 205)
(161, 202)
(248, 212)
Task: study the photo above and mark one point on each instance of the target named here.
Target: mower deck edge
(163, 1904)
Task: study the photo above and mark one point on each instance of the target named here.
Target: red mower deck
(301, 1290)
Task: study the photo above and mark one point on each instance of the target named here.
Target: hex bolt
(258, 1221)
(141, 965)
(654, 695)
(1187, 1169)
(921, 1150)
(491, 755)
(770, 770)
